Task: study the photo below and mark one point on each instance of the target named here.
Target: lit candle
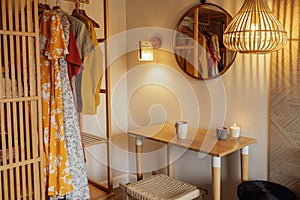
(235, 131)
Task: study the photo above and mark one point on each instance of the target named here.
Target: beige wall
(158, 91)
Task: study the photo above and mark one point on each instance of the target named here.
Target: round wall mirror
(198, 42)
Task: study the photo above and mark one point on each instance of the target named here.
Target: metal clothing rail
(79, 1)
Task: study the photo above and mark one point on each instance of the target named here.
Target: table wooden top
(197, 140)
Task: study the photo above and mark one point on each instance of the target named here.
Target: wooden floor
(98, 194)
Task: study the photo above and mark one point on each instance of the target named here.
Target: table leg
(244, 163)
(216, 173)
(169, 160)
(139, 147)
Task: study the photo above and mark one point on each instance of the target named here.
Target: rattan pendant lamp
(254, 29)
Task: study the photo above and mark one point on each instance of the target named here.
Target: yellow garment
(58, 178)
(91, 81)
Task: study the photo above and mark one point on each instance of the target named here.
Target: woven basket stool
(161, 187)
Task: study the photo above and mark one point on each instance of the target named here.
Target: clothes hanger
(42, 7)
(82, 11)
(204, 27)
(56, 6)
(76, 9)
(46, 6)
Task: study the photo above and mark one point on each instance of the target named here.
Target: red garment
(73, 58)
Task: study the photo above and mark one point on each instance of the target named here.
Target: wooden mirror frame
(203, 48)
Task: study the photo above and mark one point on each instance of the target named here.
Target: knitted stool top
(160, 187)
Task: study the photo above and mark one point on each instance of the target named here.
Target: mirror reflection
(198, 42)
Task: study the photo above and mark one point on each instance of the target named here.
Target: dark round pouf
(264, 190)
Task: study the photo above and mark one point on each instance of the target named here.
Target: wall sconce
(254, 29)
(146, 49)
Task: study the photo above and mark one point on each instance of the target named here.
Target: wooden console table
(196, 141)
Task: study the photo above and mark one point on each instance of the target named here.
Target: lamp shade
(254, 29)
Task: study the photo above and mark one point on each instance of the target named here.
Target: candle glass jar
(235, 131)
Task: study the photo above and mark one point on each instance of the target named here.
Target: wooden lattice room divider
(20, 108)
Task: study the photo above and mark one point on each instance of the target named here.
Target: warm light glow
(254, 27)
(254, 30)
(145, 51)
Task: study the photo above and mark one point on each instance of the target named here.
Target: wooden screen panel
(20, 106)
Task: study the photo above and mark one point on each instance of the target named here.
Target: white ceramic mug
(181, 129)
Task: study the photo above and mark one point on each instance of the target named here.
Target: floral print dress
(72, 128)
(58, 178)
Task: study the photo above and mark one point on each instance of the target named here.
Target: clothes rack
(79, 1)
(92, 139)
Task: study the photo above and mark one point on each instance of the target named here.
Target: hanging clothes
(71, 124)
(84, 42)
(93, 69)
(65, 169)
(89, 25)
(66, 51)
(214, 54)
(58, 178)
(85, 47)
(208, 51)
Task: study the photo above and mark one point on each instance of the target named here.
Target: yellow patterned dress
(58, 177)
